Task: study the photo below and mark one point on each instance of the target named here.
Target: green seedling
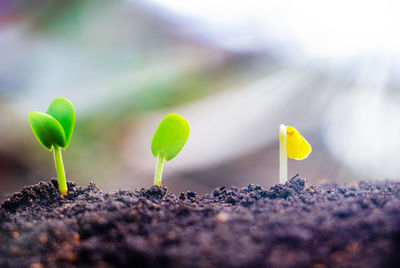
(53, 130)
(168, 140)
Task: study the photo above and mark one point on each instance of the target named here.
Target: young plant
(292, 145)
(53, 130)
(168, 140)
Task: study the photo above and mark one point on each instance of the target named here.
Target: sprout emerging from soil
(53, 130)
(168, 140)
(292, 145)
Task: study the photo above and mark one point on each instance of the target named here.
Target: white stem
(282, 155)
(159, 170)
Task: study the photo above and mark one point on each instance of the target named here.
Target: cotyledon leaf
(297, 146)
(47, 130)
(170, 136)
(63, 111)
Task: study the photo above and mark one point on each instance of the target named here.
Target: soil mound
(291, 225)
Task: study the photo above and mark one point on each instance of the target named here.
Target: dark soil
(290, 225)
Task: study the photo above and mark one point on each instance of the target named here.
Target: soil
(291, 225)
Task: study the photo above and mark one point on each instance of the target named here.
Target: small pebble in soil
(222, 217)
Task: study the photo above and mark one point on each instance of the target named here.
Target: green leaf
(63, 111)
(47, 130)
(170, 136)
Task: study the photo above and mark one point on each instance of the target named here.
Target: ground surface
(294, 225)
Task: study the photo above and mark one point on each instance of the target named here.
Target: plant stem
(159, 169)
(62, 182)
(282, 154)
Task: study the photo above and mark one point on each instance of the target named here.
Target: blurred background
(234, 69)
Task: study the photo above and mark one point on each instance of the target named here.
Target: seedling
(53, 130)
(292, 145)
(168, 140)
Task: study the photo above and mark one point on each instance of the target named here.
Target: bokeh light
(235, 70)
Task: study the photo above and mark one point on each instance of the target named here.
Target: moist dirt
(291, 225)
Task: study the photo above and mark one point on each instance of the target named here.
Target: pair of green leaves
(54, 128)
(170, 136)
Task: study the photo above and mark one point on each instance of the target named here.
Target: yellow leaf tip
(297, 146)
(290, 130)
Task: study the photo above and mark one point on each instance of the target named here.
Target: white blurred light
(336, 30)
(355, 39)
(367, 138)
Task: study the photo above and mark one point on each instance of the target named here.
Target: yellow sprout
(292, 145)
(297, 147)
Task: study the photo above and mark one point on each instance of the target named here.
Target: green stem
(62, 182)
(282, 154)
(159, 169)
